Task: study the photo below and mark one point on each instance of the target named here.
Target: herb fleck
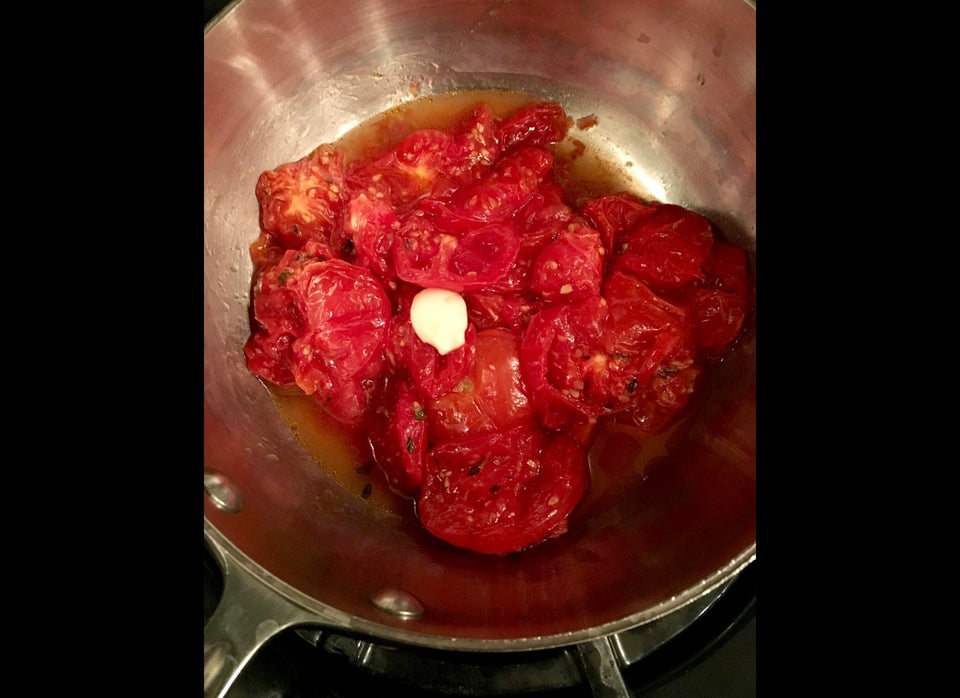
(367, 490)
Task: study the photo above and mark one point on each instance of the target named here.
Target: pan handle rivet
(397, 603)
(223, 493)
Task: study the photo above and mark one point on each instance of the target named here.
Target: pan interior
(673, 88)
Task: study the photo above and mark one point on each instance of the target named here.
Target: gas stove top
(706, 649)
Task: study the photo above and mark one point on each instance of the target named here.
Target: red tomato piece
(487, 309)
(727, 269)
(502, 492)
(569, 268)
(640, 318)
(665, 261)
(432, 374)
(659, 219)
(425, 256)
(277, 315)
(637, 314)
(613, 214)
(719, 317)
(418, 167)
(540, 124)
(398, 439)
(370, 223)
(491, 396)
(547, 208)
(337, 315)
(508, 186)
(301, 200)
(660, 403)
(565, 366)
(476, 144)
(593, 358)
(721, 305)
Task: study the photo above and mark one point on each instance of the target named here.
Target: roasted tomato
(426, 256)
(398, 439)
(488, 309)
(301, 200)
(594, 357)
(323, 323)
(613, 214)
(499, 194)
(720, 305)
(667, 248)
(570, 267)
(642, 320)
(500, 492)
(432, 374)
(370, 223)
(537, 124)
(490, 397)
(418, 167)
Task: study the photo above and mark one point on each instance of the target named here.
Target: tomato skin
(336, 315)
(301, 200)
(398, 439)
(665, 261)
(432, 374)
(559, 354)
(534, 125)
(428, 257)
(719, 319)
(667, 219)
(594, 358)
(499, 194)
(370, 223)
(502, 492)
(488, 309)
(492, 396)
(476, 144)
(613, 214)
(719, 307)
(569, 268)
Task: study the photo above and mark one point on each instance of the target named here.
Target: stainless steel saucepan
(672, 84)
